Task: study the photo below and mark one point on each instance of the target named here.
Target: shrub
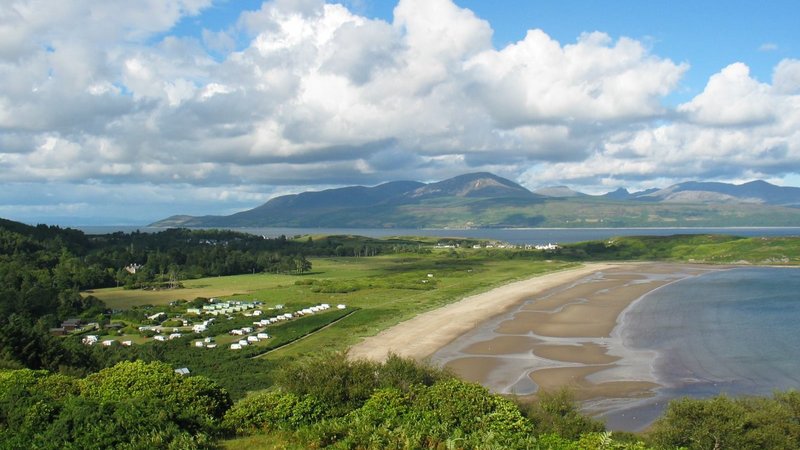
(272, 410)
(722, 422)
(557, 413)
(197, 401)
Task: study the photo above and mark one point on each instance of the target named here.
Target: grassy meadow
(386, 289)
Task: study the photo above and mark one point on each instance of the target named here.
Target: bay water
(733, 332)
(517, 236)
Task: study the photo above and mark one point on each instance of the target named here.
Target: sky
(123, 113)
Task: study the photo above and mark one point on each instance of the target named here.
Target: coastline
(421, 336)
(545, 333)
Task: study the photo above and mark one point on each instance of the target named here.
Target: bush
(722, 422)
(457, 406)
(451, 413)
(557, 413)
(197, 401)
(49, 411)
(272, 410)
(342, 386)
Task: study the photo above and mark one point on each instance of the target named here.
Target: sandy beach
(546, 332)
(422, 335)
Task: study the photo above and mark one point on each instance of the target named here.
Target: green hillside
(483, 200)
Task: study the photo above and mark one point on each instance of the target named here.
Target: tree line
(44, 269)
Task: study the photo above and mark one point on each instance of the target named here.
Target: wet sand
(563, 337)
(553, 331)
(424, 334)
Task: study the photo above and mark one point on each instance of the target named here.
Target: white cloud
(786, 78)
(323, 96)
(737, 128)
(768, 47)
(731, 98)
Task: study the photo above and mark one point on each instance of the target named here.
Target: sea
(732, 332)
(516, 236)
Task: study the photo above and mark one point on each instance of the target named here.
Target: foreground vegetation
(330, 402)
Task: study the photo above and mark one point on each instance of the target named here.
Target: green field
(386, 289)
(119, 298)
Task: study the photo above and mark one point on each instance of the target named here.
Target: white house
(262, 336)
(236, 347)
(341, 306)
(158, 316)
(89, 340)
(108, 343)
(160, 337)
(132, 268)
(174, 336)
(199, 328)
(252, 339)
(199, 344)
(127, 343)
(243, 342)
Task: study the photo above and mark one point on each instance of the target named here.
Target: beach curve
(422, 335)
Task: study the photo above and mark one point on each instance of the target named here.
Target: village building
(133, 268)
(71, 324)
(158, 316)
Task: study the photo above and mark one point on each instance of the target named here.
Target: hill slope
(484, 200)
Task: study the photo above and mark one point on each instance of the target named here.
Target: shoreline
(559, 330)
(421, 336)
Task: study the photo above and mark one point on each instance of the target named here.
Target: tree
(197, 400)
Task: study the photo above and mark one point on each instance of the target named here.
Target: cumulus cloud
(732, 98)
(320, 95)
(737, 128)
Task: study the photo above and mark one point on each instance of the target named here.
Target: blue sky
(708, 35)
(127, 112)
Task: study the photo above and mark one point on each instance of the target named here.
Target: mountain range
(485, 200)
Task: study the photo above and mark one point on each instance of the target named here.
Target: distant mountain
(558, 191)
(713, 192)
(473, 185)
(394, 204)
(485, 200)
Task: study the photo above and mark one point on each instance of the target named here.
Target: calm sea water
(514, 236)
(734, 332)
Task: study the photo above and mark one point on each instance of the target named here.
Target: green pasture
(119, 298)
(386, 289)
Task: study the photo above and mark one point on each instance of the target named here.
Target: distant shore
(560, 339)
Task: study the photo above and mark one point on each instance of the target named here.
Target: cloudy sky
(125, 112)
